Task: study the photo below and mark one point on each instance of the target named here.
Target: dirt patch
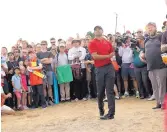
(132, 115)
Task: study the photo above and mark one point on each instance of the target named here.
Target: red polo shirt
(101, 47)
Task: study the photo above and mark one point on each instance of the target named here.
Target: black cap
(98, 27)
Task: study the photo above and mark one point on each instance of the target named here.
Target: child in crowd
(24, 87)
(28, 82)
(17, 88)
(62, 60)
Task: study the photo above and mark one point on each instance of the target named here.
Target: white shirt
(79, 52)
(126, 54)
(61, 59)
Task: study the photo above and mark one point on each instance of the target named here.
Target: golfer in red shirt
(102, 51)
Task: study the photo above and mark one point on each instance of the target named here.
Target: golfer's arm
(99, 57)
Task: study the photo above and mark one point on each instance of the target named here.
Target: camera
(119, 40)
(134, 43)
(123, 39)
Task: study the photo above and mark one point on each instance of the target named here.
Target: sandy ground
(132, 115)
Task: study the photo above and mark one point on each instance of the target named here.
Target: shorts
(127, 71)
(18, 94)
(49, 77)
(6, 108)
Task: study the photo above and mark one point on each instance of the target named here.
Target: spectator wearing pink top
(24, 87)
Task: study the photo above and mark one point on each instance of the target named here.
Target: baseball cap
(152, 23)
(98, 27)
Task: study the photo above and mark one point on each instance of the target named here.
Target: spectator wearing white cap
(62, 59)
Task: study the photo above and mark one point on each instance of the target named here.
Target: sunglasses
(52, 42)
(43, 44)
(139, 32)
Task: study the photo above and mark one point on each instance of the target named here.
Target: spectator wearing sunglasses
(46, 58)
(53, 44)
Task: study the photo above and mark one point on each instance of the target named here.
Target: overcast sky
(36, 20)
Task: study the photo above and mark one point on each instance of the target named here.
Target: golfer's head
(98, 31)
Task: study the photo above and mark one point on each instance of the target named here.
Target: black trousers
(12, 101)
(80, 86)
(143, 81)
(38, 95)
(105, 78)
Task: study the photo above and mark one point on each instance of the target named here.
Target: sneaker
(126, 94)
(89, 96)
(50, 103)
(44, 106)
(68, 100)
(105, 100)
(157, 107)
(142, 97)
(151, 98)
(76, 99)
(107, 117)
(117, 97)
(63, 101)
(85, 99)
(20, 108)
(137, 94)
(25, 108)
